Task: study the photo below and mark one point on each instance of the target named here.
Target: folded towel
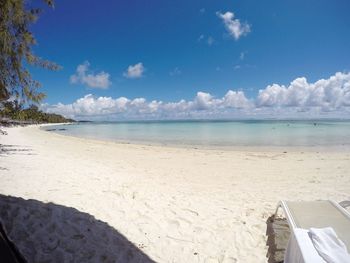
(329, 246)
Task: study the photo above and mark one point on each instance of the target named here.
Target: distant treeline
(14, 111)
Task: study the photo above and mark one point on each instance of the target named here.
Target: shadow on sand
(8, 149)
(46, 232)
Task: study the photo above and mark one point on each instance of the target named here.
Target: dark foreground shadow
(46, 232)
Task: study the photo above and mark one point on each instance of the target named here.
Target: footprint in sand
(191, 211)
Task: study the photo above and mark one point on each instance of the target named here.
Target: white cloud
(90, 107)
(203, 101)
(300, 99)
(235, 99)
(234, 26)
(328, 94)
(99, 80)
(134, 71)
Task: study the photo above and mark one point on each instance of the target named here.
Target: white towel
(300, 248)
(329, 246)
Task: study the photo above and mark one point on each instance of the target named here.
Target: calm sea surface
(216, 133)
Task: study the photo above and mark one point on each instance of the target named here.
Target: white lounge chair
(303, 215)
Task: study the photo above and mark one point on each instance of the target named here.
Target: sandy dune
(173, 204)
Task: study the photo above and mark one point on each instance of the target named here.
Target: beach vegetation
(12, 110)
(16, 52)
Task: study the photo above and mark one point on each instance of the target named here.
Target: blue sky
(185, 47)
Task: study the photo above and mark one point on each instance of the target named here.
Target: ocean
(255, 133)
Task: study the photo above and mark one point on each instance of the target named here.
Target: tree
(16, 42)
(14, 111)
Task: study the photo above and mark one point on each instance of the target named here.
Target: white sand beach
(174, 204)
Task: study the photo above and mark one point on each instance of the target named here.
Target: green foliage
(16, 43)
(14, 111)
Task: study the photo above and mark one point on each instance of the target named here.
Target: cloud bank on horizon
(300, 99)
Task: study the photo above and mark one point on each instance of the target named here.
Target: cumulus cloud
(90, 107)
(82, 75)
(134, 71)
(234, 26)
(235, 99)
(328, 94)
(325, 97)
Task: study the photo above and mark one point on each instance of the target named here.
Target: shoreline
(174, 204)
(238, 148)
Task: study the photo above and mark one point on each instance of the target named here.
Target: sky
(162, 59)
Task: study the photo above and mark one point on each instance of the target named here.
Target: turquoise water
(217, 133)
